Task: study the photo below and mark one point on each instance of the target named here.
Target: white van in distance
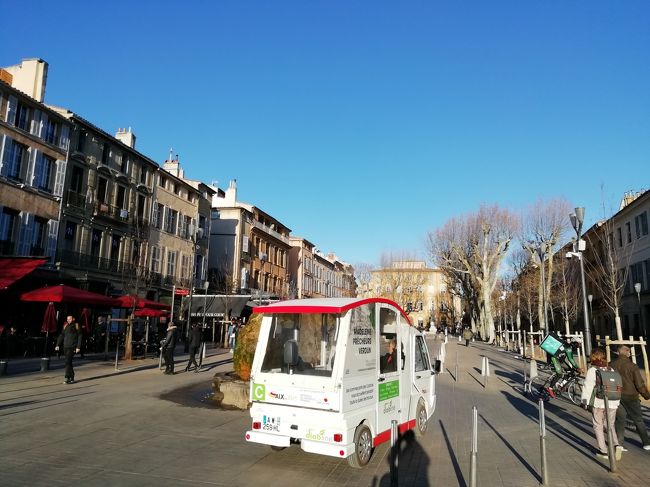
(332, 374)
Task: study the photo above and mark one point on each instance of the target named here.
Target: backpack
(608, 383)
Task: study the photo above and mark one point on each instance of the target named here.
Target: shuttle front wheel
(421, 419)
(362, 447)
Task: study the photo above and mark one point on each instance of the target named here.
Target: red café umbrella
(130, 301)
(150, 313)
(49, 323)
(68, 294)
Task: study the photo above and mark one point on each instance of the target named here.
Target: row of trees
(506, 264)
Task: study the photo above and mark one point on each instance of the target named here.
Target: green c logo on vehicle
(259, 392)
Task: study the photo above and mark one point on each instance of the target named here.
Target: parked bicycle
(569, 385)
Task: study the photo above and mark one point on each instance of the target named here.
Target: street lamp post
(577, 219)
(541, 254)
(637, 288)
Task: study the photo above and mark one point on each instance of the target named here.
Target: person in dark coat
(195, 345)
(167, 348)
(388, 362)
(630, 407)
(70, 338)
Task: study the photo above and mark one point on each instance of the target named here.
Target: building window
(158, 212)
(115, 247)
(76, 181)
(185, 266)
(106, 152)
(143, 175)
(14, 160)
(171, 263)
(636, 271)
(185, 227)
(620, 236)
(102, 187)
(8, 224)
(95, 242)
(628, 231)
(43, 173)
(141, 202)
(22, 116)
(641, 224)
(155, 259)
(162, 182)
(81, 141)
(171, 220)
(51, 131)
(120, 198)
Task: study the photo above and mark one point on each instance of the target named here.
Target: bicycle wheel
(538, 389)
(574, 391)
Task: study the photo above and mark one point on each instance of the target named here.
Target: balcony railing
(114, 212)
(268, 230)
(74, 199)
(94, 262)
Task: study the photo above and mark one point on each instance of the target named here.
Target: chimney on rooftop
(126, 137)
(30, 77)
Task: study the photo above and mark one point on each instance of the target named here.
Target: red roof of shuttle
(323, 305)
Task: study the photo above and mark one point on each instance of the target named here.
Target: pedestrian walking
(167, 348)
(195, 345)
(633, 385)
(596, 405)
(232, 334)
(467, 335)
(70, 338)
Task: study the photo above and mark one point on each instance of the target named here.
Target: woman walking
(596, 405)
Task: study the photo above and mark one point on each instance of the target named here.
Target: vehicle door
(389, 404)
(423, 376)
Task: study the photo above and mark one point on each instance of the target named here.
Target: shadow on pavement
(521, 459)
(454, 460)
(530, 410)
(411, 460)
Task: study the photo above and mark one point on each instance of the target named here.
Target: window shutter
(53, 230)
(35, 160)
(245, 244)
(64, 138)
(59, 178)
(11, 110)
(36, 124)
(24, 239)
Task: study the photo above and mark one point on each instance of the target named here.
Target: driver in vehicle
(388, 362)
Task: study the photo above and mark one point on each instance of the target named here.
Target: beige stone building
(248, 248)
(34, 143)
(421, 291)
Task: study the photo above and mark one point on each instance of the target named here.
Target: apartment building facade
(249, 248)
(34, 142)
(627, 234)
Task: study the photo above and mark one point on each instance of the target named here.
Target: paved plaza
(137, 427)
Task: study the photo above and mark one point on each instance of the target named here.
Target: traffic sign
(182, 292)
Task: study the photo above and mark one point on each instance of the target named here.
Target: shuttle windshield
(301, 344)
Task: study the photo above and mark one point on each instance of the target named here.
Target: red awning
(68, 294)
(150, 313)
(13, 268)
(130, 301)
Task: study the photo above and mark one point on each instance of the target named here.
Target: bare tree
(543, 226)
(363, 276)
(567, 295)
(607, 268)
(475, 245)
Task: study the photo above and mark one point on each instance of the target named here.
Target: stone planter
(230, 391)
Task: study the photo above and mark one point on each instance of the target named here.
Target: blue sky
(363, 125)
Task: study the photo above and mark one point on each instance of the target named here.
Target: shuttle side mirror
(437, 366)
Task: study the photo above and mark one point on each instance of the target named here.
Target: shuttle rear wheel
(362, 447)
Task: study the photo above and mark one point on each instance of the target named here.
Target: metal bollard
(542, 442)
(117, 352)
(394, 456)
(611, 449)
(485, 371)
(474, 451)
(456, 368)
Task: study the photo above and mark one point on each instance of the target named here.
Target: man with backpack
(633, 385)
(601, 380)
